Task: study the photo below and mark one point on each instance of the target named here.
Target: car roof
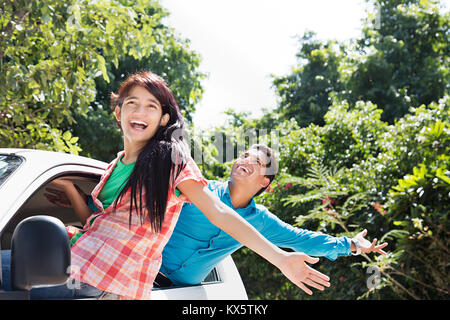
(54, 157)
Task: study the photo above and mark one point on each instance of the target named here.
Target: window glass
(8, 163)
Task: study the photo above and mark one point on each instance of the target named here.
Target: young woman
(141, 194)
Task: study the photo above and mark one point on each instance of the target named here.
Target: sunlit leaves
(50, 52)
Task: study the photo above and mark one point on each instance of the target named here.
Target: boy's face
(250, 169)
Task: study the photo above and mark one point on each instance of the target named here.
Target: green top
(118, 177)
(115, 183)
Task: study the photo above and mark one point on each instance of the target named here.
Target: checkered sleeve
(190, 172)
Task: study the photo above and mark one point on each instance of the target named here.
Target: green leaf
(441, 175)
(67, 135)
(102, 67)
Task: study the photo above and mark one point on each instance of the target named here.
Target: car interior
(38, 204)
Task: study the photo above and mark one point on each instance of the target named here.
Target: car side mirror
(40, 253)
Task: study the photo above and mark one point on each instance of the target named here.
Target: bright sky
(242, 42)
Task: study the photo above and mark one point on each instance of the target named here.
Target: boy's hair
(271, 166)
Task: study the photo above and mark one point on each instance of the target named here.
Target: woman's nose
(140, 108)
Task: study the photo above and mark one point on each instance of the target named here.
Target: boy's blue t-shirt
(196, 245)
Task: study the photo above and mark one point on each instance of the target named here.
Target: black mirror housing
(40, 253)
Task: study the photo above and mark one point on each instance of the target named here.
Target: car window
(212, 277)
(8, 164)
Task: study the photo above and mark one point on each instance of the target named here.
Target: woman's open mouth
(138, 125)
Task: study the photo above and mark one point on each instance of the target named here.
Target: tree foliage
(305, 93)
(170, 58)
(355, 172)
(400, 61)
(54, 53)
(404, 57)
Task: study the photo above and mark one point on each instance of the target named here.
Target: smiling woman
(140, 116)
(147, 114)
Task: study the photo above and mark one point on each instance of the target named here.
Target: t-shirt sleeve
(190, 172)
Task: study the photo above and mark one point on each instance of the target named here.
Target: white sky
(242, 42)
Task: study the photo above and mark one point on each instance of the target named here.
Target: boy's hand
(367, 246)
(294, 267)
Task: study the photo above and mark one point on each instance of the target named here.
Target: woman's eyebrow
(149, 99)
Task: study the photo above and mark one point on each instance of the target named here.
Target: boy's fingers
(381, 246)
(311, 259)
(313, 284)
(318, 274)
(319, 280)
(304, 288)
(374, 243)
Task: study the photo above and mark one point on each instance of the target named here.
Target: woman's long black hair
(163, 157)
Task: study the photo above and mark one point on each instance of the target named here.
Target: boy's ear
(117, 110)
(265, 182)
(164, 119)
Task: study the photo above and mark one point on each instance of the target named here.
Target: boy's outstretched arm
(314, 243)
(292, 264)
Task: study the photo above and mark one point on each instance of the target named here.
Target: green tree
(170, 58)
(357, 172)
(304, 94)
(404, 57)
(50, 54)
(400, 61)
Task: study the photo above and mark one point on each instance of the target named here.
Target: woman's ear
(164, 119)
(117, 110)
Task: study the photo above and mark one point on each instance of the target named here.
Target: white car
(24, 175)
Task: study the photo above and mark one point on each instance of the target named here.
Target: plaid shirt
(115, 258)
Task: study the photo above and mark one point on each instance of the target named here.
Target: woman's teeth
(138, 125)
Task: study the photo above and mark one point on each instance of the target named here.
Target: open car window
(38, 204)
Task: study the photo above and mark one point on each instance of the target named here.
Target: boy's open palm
(294, 267)
(367, 246)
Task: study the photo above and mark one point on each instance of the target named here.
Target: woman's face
(140, 116)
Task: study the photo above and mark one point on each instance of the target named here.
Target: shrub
(358, 172)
